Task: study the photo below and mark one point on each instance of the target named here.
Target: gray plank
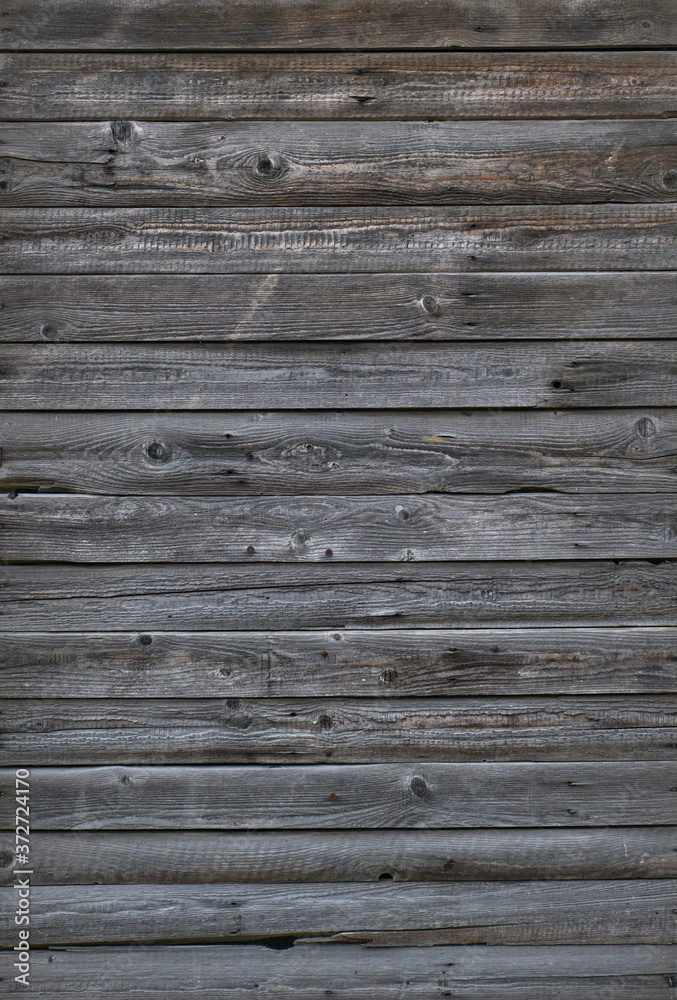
(348, 796)
(77, 731)
(194, 598)
(560, 375)
(202, 857)
(405, 528)
(390, 451)
(346, 85)
(348, 24)
(246, 307)
(144, 163)
(305, 240)
(628, 911)
(566, 972)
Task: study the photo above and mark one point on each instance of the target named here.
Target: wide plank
(306, 240)
(347, 85)
(251, 307)
(389, 451)
(42, 527)
(348, 796)
(347, 24)
(144, 163)
(555, 375)
(77, 731)
(168, 972)
(202, 857)
(211, 597)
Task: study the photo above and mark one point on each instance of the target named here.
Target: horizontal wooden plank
(566, 972)
(348, 796)
(513, 913)
(246, 307)
(194, 598)
(346, 85)
(202, 857)
(349, 730)
(42, 527)
(223, 240)
(144, 163)
(559, 374)
(242, 454)
(367, 663)
(293, 24)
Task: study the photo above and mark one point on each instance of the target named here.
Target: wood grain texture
(194, 598)
(348, 796)
(555, 375)
(292, 24)
(75, 731)
(144, 163)
(513, 913)
(283, 307)
(381, 452)
(203, 857)
(346, 85)
(407, 528)
(306, 240)
(566, 972)
(367, 663)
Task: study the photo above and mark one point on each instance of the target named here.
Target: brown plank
(202, 857)
(305, 240)
(250, 307)
(346, 85)
(347, 24)
(348, 796)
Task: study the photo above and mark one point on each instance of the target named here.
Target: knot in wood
(418, 786)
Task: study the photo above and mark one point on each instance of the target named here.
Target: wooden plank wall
(339, 424)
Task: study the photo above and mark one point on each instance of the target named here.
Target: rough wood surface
(566, 375)
(512, 913)
(203, 857)
(305, 240)
(143, 163)
(347, 24)
(565, 972)
(382, 452)
(346, 85)
(348, 796)
(194, 598)
(353, 731)
(282, 307)
(407, 528)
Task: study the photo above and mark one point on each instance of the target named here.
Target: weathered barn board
(347, 796)
(204, 857)
(286, 307)
(347, 85)
(238, 240)
(347, 24)
(143, 163)
(494, 913)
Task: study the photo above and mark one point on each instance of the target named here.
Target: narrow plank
(203, 857)
(145, 163)
(389, 451)
(348, 796)
(246, 307)
(236, 240)
(76, 731)
(567, 972)
(293, 24)
(69, 527)
(557, 374)
(194, 598)
(629, 911)
(346, 85)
